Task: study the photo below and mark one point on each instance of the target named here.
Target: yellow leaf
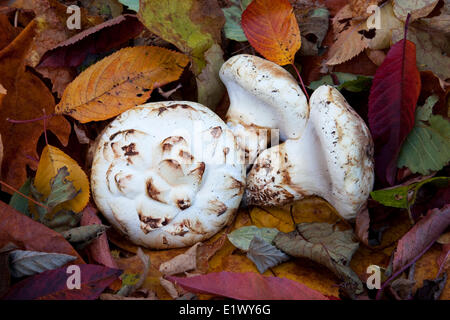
(52, 159)
(119, 82)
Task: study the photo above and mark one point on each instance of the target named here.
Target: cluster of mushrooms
(170, 174)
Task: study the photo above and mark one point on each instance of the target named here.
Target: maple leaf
(26, 97)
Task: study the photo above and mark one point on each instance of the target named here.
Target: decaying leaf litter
(54, 79)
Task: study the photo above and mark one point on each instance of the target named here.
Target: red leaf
(98, 249)
(52, 284)
(392, 103)
(420, 236)
(28, 234)
(247, 286)
(101, 38)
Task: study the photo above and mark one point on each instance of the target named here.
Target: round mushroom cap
(167, 174)
(263, 96)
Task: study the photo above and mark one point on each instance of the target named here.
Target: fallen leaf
(420, 236)
(26, 98)
(359, 8)
(8, 32)
(392, 102)
(5, 274)
(444, 258)
(376, 56)
(431, 289)
(128, 78)
(209, 86)
(131, 4)
(31, 235)
(181, 263)
(427, 147)
(52, 160)
(252, 286)
(129, 288)
(264, 255)
(432, 50)
(313, 22)
(242, 237)
(401, 288)
(170, 288)
(323, 244)
(272, 29)
(438, 23)
(80, 237)
(98, 249)
(348, 44)
(350, 82)
(27, 263)
(1, 152)
(100, 38)
(193, 27)
(417, 8)
(52, 284)
(404, 196)
(107, 9)
(362, 225)
(232, 27)
(388, 23)
(51, 17)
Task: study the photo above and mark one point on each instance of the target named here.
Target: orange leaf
(120, 81)
(25, 99)
(272, 29)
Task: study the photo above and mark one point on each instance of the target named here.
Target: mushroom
(263, 96)
(167, 174)
(332, 159)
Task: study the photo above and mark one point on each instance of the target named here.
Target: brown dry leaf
(184, 262)
(51, 18)
(119, 82)
(359, 8)
(349, 44)
(170, 288)
(8, 31)
(417, 8)
(376, 56)
(26, 98)
(388, 23)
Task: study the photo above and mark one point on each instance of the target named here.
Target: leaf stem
(23, 195)
(44, 117)
(396, 274)
(301, 80)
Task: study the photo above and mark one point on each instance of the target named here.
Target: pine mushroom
(167, 174)
(263, 96)
(332, 159)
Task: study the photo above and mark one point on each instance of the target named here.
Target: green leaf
(348, 81)
(193, 26)
(264, 255)
(427, 147)
(232, 27)
(242, 237)
(404, 196)
(324, 244)
(19, 202)
(62, 220)
(131, 4)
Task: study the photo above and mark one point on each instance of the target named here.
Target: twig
(301, 80)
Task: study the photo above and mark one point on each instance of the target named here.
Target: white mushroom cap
(262, 95)
(167, 174)
(332, 159)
